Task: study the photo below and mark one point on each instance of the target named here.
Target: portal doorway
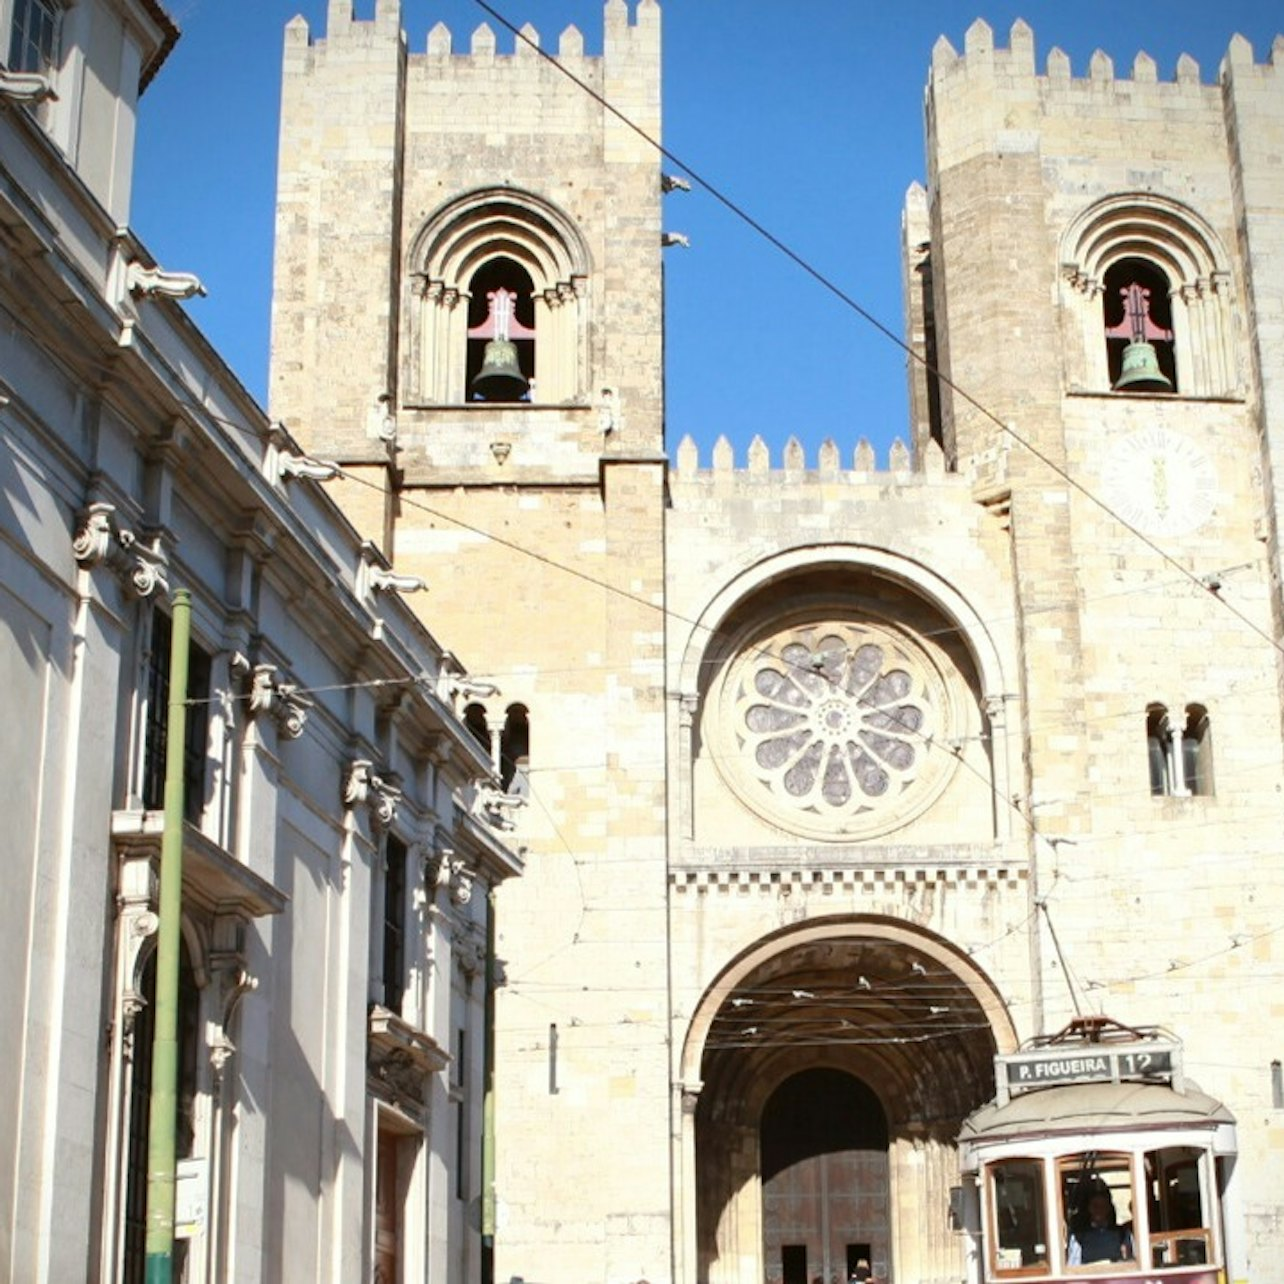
(825, 1079)
(824, 1179)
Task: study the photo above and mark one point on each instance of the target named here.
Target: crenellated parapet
(483, 46)
(793, 463)
(982, 58)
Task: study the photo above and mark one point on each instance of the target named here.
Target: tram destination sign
(1092, 1063)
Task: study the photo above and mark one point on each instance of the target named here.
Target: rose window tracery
(829, 725)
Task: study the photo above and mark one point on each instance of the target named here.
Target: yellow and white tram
(1097, 1159)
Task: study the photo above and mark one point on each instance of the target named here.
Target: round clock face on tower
(1161, 483)
(830, 726)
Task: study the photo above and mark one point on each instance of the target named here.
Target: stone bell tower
(445, 214)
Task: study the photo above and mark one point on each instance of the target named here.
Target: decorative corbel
(307, 468)
(470, 954)
(281, 462)
(363, 787)
(461, 881)
(465, 688)
(608, 412)
(26, 87)
(101, 540)
(385, 581)
(493, 805)
(236, 984)
(149, 282)
(385, 421)
(266, 693)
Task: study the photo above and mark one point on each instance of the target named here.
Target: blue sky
(806, 112)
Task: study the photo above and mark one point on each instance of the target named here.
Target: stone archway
(897, 1010)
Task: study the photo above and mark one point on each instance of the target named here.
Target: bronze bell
(1139, 371)
(500, 377)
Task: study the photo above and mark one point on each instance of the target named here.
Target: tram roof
(1094, 1107)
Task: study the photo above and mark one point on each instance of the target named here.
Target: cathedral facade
(604, 863)
(844, 775)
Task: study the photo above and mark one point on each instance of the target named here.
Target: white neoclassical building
(344, 830)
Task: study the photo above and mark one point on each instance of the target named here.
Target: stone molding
(826, 880)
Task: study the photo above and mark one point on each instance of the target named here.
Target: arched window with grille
(1147, 292)
(497, 265)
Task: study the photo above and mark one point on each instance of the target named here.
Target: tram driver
(1096, 1235)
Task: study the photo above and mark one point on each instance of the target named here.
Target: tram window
(1179, 1233)
(1096, 1210)
(1020, 1224)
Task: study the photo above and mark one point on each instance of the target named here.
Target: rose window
(829, 725)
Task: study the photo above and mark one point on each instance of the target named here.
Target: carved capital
(94, 541)
(690, 1097)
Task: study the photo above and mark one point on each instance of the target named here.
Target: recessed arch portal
(907, 1017)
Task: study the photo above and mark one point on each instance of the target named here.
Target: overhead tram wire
(838, 292)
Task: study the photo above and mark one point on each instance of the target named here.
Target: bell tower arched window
(497, 266)
(1147, 293)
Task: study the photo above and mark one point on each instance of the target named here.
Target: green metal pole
(488, 1100)
(164, 1102)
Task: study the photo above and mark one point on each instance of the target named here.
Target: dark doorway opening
(825, 1178)
(793, 1263)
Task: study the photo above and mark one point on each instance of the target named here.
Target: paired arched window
(1147, 294)
(1180, 758)
(491, 269)
(508, 744)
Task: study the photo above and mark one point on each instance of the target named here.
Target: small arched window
(514, 751)
(1140, 352)
(1197, 751)
(1159, 749)
(475, 721)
